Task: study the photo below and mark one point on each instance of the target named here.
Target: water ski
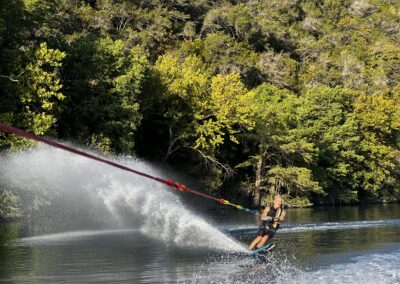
(264, 249)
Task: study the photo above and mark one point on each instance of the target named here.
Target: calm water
(321, 245)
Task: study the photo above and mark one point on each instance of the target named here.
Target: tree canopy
(300, 98)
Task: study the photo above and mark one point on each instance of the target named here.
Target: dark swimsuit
(266, 228)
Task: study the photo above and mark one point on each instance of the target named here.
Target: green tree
(38, 93)
(327, 120)
(224, 55)
(204, 110)
(379, 118)
(102, 104)
(281, 155)
(9, 205)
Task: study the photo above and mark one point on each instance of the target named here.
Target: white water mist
(86, 189)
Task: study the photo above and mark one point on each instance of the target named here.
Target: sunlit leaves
(39, 95)
(306, 87)
(294, 180)
(188, 80)
(41, 89)
(217, 106)
(379, 114)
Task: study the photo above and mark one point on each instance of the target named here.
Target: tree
(236, 21)
(204, 110)
(9, 205)
(379, 118)
(279, 70)
(304, 92)
(224, 55)
(326, 119)
(105, 81)
(294, 182)
(38, 94)
(279, 151)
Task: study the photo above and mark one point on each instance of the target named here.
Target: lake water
(321, 245)
(97, 224)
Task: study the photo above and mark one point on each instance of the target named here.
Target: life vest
(275, 214)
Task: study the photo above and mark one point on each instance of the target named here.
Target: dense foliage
(296, 97)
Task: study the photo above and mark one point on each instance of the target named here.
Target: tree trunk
(257, 184)
(172, 141)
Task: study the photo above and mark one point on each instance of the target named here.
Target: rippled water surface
(102, 225)
(311, 248)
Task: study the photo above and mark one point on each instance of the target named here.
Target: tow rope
(168, 182)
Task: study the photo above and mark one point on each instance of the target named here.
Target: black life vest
(273, 213)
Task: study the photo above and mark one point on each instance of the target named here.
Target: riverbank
(292, 203)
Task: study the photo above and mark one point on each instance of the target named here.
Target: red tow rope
(168, 182)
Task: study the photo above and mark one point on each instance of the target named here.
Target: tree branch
(214, 163)
(172, 141)
(207, 117)
(10, 78)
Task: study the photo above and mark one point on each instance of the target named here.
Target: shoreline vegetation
(24, 217)
(252, 98)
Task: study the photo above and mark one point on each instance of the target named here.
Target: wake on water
(323, 226)
(372, 268)
(375, 268)
(110, 197)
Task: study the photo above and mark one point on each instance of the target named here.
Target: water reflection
(333, 236)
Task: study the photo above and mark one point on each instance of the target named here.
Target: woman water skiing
(271, 219)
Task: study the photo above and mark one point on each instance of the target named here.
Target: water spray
(168, 182)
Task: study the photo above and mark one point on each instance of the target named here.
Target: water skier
(271, 219)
